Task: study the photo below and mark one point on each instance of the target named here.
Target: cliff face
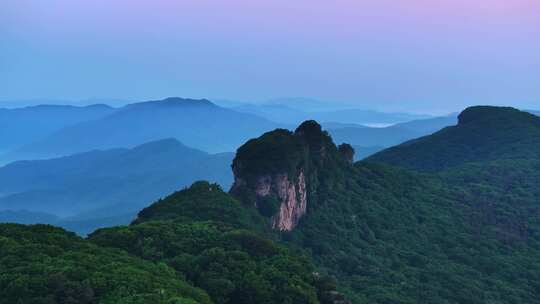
(288, 197)
(293, 198)
(277, 173)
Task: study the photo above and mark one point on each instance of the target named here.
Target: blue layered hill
(22, 126)
(93, 186)
(197, 123)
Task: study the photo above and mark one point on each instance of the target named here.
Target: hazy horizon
(229, 103)
(392, 56)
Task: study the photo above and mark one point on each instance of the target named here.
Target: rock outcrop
(347, 151)
(278, 196)
(277, 172)
(293, 205)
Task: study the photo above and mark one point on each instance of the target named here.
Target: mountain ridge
(126, 180)
(21, 126)
(197, 123)
(483, 133)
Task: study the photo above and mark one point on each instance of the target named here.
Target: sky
(393, 55)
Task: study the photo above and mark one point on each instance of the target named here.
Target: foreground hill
(207, 249)
(105, 187)
(482, 134)
(44, 264)
(197, 123)
(22, 126)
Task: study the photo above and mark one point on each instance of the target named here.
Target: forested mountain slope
(44, 264)
(218, 245)
(467, 235)
(302, 222)
(482, 134)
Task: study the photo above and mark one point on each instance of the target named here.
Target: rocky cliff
(278, 173)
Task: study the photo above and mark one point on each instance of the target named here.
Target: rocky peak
(317, 141)
(277, 172)
(311, 131)
(347, 151)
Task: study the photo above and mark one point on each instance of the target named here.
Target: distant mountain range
(100, 185)
(370, 140)
(287, 114)
(43, 132)
(25, 125)
(297, 103)
(197, 123)
(20, 103)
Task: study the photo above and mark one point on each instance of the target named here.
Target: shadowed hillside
(482, 134)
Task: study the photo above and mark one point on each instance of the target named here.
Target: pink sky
(390, 51)
(301, 16)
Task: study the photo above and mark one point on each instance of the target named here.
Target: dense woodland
(449, 218)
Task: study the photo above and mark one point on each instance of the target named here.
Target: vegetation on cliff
(308, 152)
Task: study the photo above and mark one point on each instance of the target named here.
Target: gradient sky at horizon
(416, 55)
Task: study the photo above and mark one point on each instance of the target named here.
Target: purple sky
(423, 56)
